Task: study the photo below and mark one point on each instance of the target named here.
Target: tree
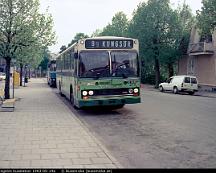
(21, 25)
(118, 27)
(206, 18)
(63, 48)
(174, 51)
(45, 59)
(96, 33)
(187, 20)
(157, 27)
(77, 37)
(31, 56)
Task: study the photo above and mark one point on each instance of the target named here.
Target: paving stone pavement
(42, 132)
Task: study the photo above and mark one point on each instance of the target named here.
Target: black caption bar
(104, 170)
(55, 170)
(109, 44)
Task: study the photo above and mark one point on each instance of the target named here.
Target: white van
(183, 83)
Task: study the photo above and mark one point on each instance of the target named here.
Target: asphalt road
(164, 131)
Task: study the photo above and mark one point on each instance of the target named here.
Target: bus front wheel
(72, 98)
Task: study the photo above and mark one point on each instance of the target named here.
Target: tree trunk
(157, 73)
(7, 82)
(29, 73)
(157, 63)
(170, 69)
(21, 74)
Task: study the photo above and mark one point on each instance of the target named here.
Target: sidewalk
(199, 93)
(43, 133)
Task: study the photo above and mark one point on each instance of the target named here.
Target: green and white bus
(100, 71)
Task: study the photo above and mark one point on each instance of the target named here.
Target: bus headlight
(136, 90)
(91, 93)
(84, 93)
(130, 91)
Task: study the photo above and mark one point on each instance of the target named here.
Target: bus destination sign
(109, 44)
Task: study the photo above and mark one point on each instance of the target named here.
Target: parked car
(182, 83)
(2, 76)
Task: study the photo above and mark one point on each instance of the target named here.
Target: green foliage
(21, 25)
(96, 33)
(187, 19)
(77, 37)
(63, 48)
(206, 18)
(118, 27)
(158, 29)
(163, 34)
(45, 60)
(187, 22)
(24, 32)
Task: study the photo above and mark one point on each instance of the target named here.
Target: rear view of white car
(177, 84)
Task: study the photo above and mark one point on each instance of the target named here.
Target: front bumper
(108, 102)
(188, 90)
(53, 81)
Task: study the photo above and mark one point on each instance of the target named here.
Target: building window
(206, 38)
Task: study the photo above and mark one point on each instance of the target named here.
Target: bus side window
(76, 61)
(75, 67)
(72, 60)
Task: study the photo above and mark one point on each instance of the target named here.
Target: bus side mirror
(75, 55)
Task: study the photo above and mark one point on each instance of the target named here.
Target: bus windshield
(97, 64)
(94, 64)
(124, 64)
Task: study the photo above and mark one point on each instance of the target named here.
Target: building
(200, 60)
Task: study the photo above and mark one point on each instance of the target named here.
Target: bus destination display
(109, 44)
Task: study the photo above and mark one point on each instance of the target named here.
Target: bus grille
(121, 91)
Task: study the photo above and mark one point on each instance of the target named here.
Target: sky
(74, 16)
